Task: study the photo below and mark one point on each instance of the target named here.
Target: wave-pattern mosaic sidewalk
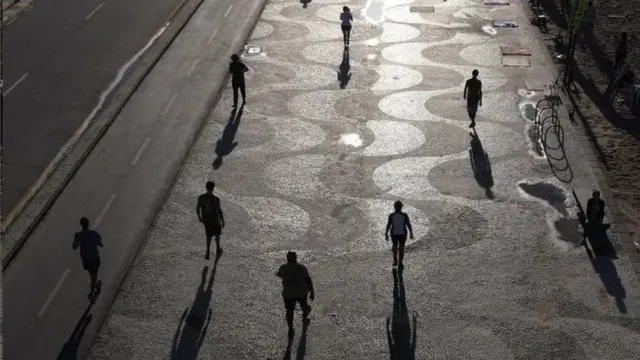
(496, 270)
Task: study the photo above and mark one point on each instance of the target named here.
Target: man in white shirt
(398, 224)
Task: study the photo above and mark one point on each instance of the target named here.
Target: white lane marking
(228, 10)
(76, 136)
(54, 292)
(144, 145)
(166, 109)
(24, 76)
(11, 21)
(104, 210)
(94, 12)
(193, 67)
(213, 35)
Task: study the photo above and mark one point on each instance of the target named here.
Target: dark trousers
(238, 85)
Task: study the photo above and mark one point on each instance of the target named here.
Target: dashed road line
(53, 292)
(144, 145)
(228, 10)
(166, 109)
(94, 11)
(24, 76)
(213, 35)
(104, 210)
(193, 67)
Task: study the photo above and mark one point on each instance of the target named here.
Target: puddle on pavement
(373, 11)
(528, 111)
(351, 140)
(555, 196)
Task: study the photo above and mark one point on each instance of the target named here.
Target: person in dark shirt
(237, 69)
(296, 286)
(397, 225)
(89, 241)
(473, 95)
(622, 51)
(595, 210)
(210, 215)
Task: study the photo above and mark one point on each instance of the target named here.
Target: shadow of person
(602, 262)
(402, 343)
(480, 164)
(226, 143)
(344, 70)
(302, 344)
(305, 3)
(70, 348)
(187, 344)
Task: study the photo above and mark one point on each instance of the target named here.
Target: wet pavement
(327, 142)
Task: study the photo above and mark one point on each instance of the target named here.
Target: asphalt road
(118, 188)
(495, 270)
(58, 58)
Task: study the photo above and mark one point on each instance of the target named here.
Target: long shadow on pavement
(70, 348)
(226, 143)
(480, 164)
(402, 342)
(188, 339)
(344, 70)
(602, 261)
(302, 344)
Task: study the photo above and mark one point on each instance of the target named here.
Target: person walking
(595, 211)
(346, 18)
(397, 225)
(89, 241)
(473, 94)
(210, 215)
(622, 51)
(296, 286)
(237, 69)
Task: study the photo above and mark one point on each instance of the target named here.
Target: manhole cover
(422, 9)
(505, 23)
(516, 61)
(509, 50)
(252, 50)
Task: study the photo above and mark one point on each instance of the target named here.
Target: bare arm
(245, 67)
(464, 93)
(99, 240)
(220, 214)
(480, 94)
(199, 210)
(408, 224)
(75, 243)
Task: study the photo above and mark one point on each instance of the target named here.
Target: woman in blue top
(346, 18)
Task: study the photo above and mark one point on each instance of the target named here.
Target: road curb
(13, 9)
(36, 209)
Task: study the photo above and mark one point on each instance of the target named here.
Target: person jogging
(397, 225)
(473, 95)
(210, 215)
(296, 286)
(89, 241)
(237, 69)
(346, 18)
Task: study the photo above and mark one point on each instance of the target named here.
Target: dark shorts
(290, 304)
(91, 265)
(346, 27)
(399, 239)
(212, 229)
(472, 107)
